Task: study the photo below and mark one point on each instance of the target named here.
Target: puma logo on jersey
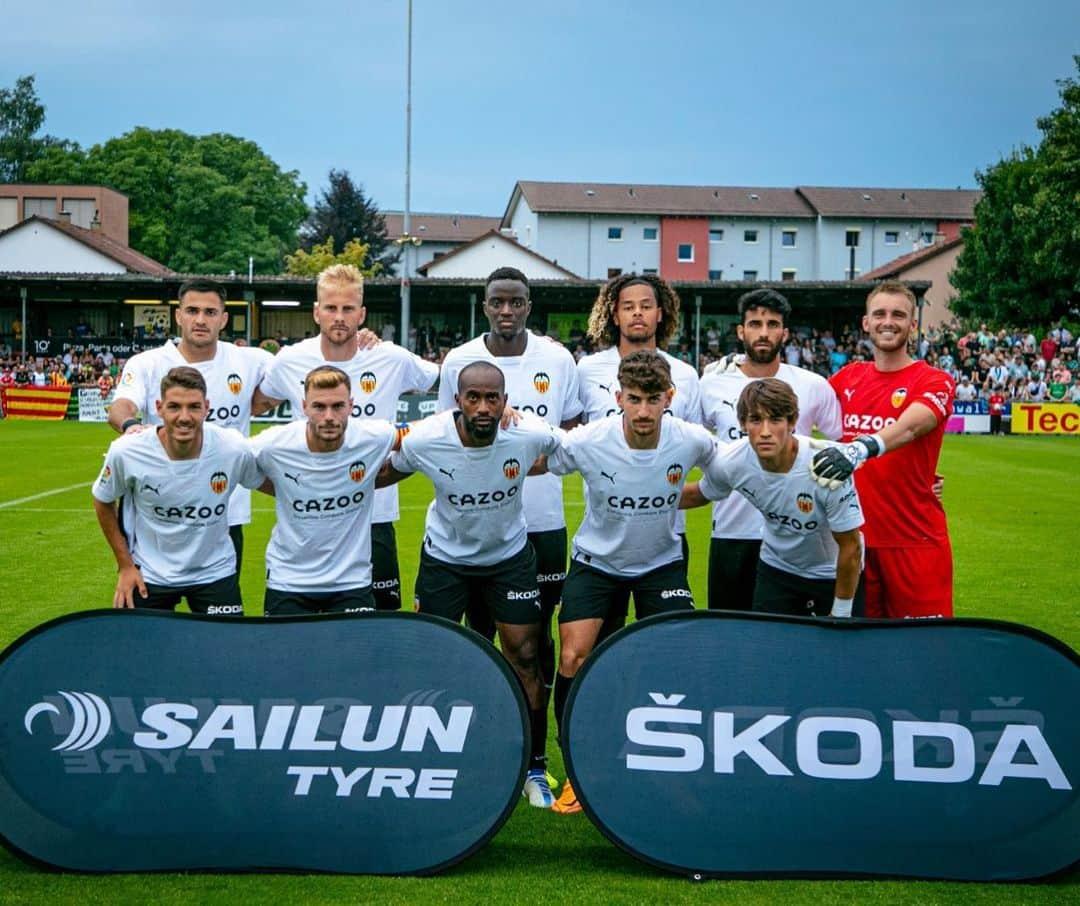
(449, 474)
(150, 487)
(295, 478)
(610, 478)
(729, 404)
(605, 387)
(849, 392)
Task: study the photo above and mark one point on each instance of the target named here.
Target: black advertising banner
(376, 743)
(722, 744)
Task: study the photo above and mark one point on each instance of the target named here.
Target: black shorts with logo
(590, 594)
(278, 603)
(507, 589)
(385, 576)
(778, 591)
(220, 598)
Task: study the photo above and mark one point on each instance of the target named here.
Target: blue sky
(726, 93)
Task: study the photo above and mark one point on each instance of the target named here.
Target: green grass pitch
(1012, 505)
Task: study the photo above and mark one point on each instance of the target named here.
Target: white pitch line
(21, 500)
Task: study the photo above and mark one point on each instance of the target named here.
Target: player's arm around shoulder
(717, 479)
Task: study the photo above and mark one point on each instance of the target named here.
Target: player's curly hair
(646, 371)
(768, 397)
(602, 330)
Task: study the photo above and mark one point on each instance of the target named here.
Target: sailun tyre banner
(719, 744)
(374, 743)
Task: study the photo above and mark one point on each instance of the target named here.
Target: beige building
(934, 263)
(90, 207)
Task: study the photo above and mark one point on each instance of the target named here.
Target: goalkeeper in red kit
(897, 406)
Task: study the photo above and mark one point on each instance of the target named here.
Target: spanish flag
(36, 402)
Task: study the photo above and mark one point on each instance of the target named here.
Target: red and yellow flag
(36, 402)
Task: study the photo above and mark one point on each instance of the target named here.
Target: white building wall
(38, 248)
(481, 259)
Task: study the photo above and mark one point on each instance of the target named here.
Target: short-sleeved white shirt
(321, 540)
(477, 517)
(819, 408)
(176, 511)
(543, 381)
(378, 375)
(633, 495)
(799, 515)
(231, 378)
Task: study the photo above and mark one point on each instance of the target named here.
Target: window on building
(43, 207)
(614, 233)
(650, 234)
(851, 238)
(892, 237)
(788, 237)
(749, 275)
(716, 234)
(82, 210)
(649, 270)
(437, 255)
(716, 275)
(927, 237)
(613, 272)
(787, 274)
(749, 236)
(686, 251)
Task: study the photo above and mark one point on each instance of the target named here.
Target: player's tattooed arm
(261, 403)
(539, 466)
(388, 475)
(129, 578)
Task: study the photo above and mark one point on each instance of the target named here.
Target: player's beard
(761, 355)
(480, 431)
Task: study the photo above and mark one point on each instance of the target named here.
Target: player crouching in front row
(811, 551)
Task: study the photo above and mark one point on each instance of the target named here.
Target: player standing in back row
(379, 376)
(541, 378)
(899, 406)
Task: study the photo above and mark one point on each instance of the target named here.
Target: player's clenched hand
(833, 463)
(129, 580)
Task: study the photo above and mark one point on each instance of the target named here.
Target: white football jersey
(598, 381)
(799, 515)
(819, 408)
(378, 375)
(321, 540)
(542, 381)
(476, 518)
(231, 378)
(176, 511)
(633, 495)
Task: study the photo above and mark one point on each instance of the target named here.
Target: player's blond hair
(326, 377)
(894, 287)
(341, 276)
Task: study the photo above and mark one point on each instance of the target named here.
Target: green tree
(199, 204)
(21, 116)
(342, 212)
(311, 263)
(1021, 259)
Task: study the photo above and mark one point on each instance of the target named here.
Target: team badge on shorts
(674, 473)
(357, 470)
(368, 382)
(805, 503)
(511, 469)
(235, 384)
(219, 482)
(898, 397)
(541, 382)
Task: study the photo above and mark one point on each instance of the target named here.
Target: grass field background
(1012, 504)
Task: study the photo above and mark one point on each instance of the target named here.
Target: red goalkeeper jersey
(895, 489)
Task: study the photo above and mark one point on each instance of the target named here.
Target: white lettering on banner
(92, 408)
(429, 783)
(953, 742)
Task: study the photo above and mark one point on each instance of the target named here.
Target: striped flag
(35, 402)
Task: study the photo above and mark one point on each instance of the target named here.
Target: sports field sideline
(1011, 502)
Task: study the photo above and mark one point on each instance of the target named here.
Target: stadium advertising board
(377, 743)
(1046, 418)
(718, 744)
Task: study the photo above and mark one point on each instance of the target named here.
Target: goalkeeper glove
(833, 464)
